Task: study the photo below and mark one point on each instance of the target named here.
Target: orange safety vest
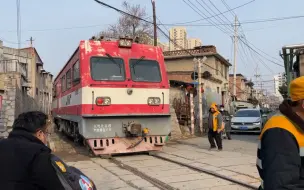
(282, 122)
(215, 122)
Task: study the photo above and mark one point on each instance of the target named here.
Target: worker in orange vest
(280, 155)
(215, 125)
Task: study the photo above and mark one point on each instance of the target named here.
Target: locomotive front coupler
(132, 129)
(145, 131)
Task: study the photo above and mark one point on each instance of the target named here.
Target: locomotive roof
(86, 45)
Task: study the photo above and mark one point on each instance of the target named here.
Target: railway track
(152, 168)
(163, 172)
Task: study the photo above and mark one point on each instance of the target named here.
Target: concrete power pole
(199, 90)
(154, 23)
(257, 76)
(234, 57)
(199, 93)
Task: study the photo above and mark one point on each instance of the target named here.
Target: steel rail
(159, 184)
(207, 172)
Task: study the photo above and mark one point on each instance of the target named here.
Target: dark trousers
(214, 135)
(228, 135)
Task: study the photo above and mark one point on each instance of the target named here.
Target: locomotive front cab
(126, 97)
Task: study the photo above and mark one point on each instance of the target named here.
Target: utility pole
(234, 57)
(256, 75)
(200, 95)
(154, 22)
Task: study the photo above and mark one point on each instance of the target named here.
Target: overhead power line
(174, 24)
(123, 12)
(164, 33)
(203, 15)
(56, 29)
(10, 42)
(244, 22)
(246, 44)
(215, 14)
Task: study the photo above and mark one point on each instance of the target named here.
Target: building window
(222, 70)
(63, 84)
(76, 73)
(68, 79)
(217, 67)
(218, 90)
(36, 91)
(226, 71)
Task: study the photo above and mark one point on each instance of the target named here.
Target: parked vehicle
(248, 120)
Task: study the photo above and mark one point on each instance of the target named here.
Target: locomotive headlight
(125, 42)
(103, 101)
(154, 101)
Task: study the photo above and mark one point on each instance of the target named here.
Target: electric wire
(213, 15)
(218, 18)
(118, 10)
(199, 12)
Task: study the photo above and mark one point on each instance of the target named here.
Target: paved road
(246, 137)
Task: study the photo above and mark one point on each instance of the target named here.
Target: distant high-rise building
(179, 37)
(279, 80)
(150, 41)
(164, 46)
(193, 42)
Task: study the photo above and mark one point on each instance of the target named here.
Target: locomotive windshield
(107, 69)
(145, 70)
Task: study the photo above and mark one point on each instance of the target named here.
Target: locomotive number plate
(101, 128)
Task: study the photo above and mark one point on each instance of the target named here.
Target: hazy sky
(57, 26)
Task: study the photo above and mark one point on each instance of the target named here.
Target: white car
(247, 120)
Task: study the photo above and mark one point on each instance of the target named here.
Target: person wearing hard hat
(215, 125)
(280, 155)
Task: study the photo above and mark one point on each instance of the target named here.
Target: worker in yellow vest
(215, 125)
(280, 156)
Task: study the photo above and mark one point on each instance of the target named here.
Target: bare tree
(284, 91)
(131, 26)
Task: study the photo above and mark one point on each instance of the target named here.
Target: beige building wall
(179, 37)
(212, 62)
(25, 87)
(193, 42)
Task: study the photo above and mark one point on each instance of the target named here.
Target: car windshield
(107, 69)
(247, 113)
(145, 70)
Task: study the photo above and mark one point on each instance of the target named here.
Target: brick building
(244, 87)
(24, 85)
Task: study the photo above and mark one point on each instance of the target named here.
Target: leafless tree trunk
(130, 26)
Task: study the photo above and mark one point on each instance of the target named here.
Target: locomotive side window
(145, 70)
(76, 73)
(68, 79)
(107, 69)
(63, 84)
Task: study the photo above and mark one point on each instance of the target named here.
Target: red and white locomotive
(114, 96)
